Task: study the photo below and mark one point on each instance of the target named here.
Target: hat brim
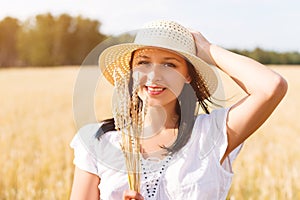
(118, 56)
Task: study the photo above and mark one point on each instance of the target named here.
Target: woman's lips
(154, 90)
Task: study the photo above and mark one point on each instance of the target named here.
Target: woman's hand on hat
(202, 47)
(131, 194)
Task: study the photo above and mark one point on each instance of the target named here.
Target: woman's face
(161, 74)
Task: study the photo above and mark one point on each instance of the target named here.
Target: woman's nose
(155, 73)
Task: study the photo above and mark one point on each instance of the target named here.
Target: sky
(268, 24)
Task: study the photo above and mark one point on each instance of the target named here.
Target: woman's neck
(159, 118)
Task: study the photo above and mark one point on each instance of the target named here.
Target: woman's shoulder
(216, 115)
(87, 146)
(89, 132)
(87, 136)
(89, 129)
(211, 126)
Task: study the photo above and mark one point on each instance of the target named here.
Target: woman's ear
(188, 79)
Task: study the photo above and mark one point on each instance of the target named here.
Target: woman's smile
(154, 90)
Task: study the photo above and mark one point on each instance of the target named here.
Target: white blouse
(194, 172)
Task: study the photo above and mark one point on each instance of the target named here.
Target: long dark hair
(193, 95)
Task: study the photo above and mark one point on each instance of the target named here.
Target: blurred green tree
(85, 36)
(64, 40)
(36, 41)
(9, 28)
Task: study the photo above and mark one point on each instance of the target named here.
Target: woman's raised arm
(265, 89)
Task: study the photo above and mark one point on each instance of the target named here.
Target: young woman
(184, 155)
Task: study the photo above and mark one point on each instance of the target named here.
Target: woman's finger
(131, 194)
(202, 47)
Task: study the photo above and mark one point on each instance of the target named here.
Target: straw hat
(163, 34)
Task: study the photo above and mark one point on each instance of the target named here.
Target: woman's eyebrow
(142, 56)
(171, 58)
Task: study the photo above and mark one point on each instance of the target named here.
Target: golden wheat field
(37, 123)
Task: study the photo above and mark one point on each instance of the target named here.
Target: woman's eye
(143, 63)
(169, 65)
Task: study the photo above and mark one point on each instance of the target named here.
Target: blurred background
(44, 46)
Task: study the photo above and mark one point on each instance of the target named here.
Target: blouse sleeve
(83, 145)
(218, 129)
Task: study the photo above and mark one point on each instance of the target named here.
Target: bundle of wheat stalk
(128, 114)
